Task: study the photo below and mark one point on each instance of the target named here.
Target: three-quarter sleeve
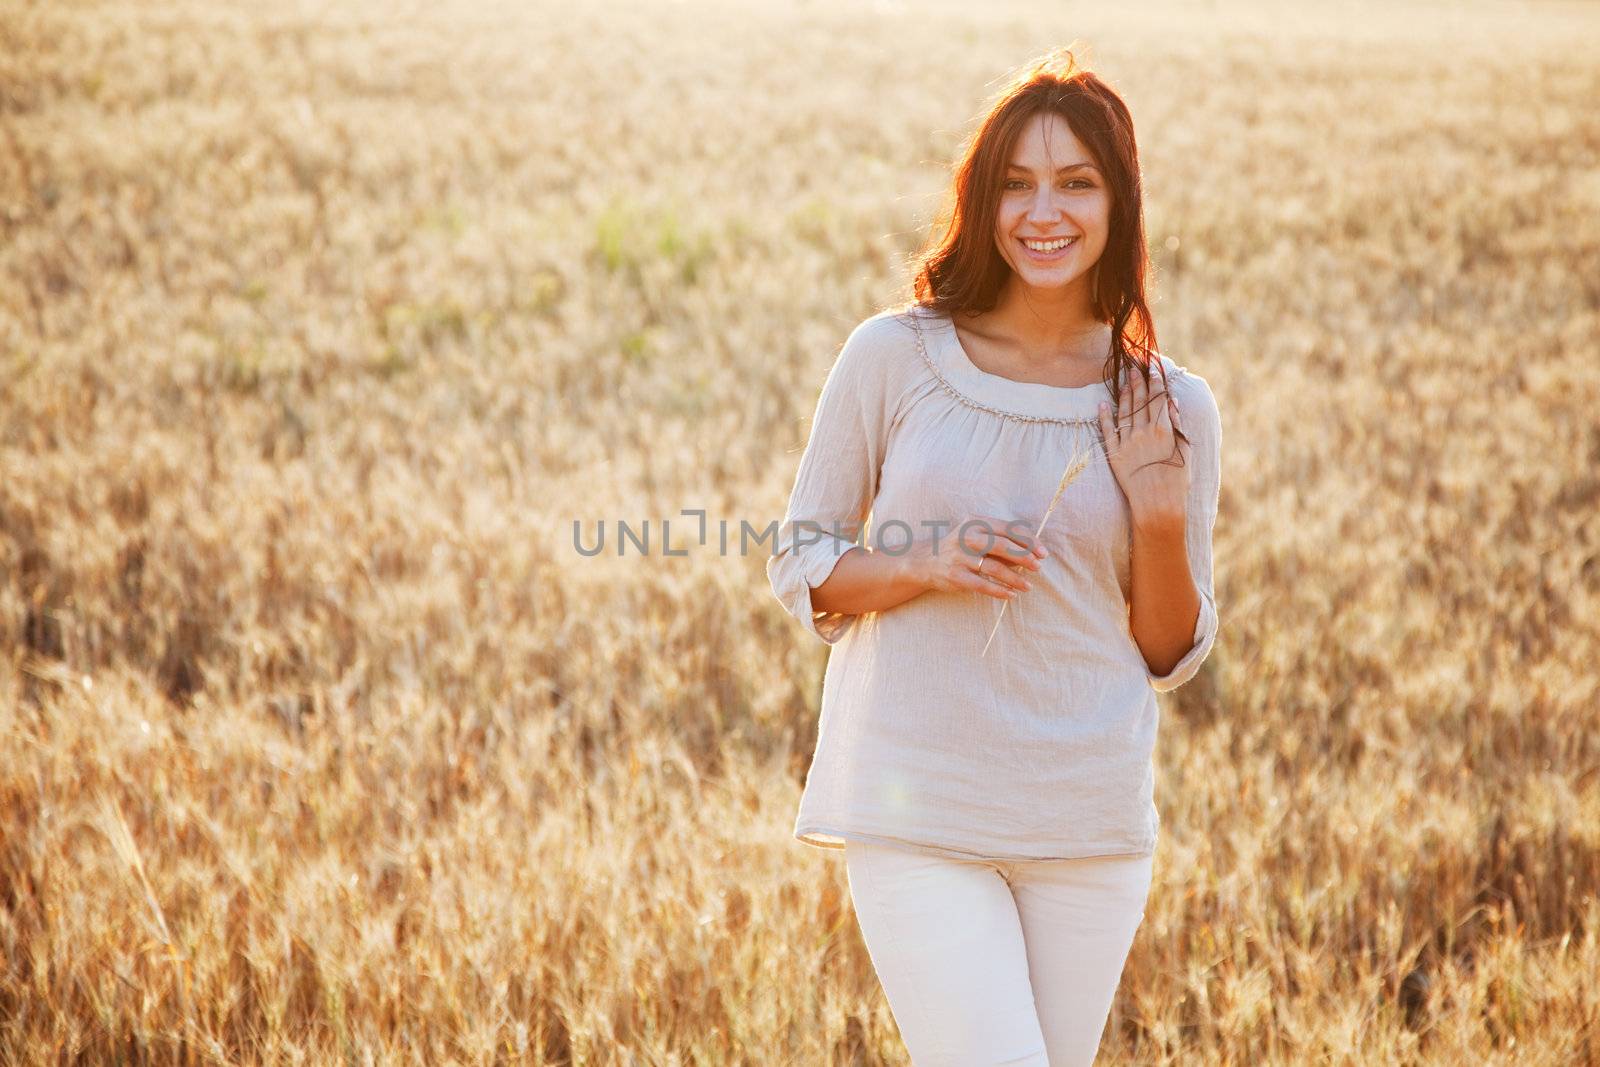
(837, 479)
(1202, 424)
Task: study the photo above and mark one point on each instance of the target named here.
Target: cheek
(1002, 240)
(1009, 214)
(1097, 225)
(1102, 217)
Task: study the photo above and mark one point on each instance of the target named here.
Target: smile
(1047, 251)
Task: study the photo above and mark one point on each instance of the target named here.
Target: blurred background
(321, 324)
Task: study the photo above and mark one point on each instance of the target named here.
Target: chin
(1049, 280)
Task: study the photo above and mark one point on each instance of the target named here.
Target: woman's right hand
(982, 554)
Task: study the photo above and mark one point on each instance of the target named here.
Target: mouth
(1047, 251)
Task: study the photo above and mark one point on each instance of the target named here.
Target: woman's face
(1052, 190)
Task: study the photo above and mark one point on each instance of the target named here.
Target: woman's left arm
(1173, 616)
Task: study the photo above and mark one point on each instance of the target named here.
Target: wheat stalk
(1075, 465)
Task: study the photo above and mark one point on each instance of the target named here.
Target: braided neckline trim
(1017, 416)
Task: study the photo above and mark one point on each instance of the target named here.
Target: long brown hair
(963, 271)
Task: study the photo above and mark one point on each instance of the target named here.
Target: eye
(1082, 183)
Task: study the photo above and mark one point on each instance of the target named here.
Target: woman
(996, 805)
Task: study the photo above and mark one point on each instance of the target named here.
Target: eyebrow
(1061, 170)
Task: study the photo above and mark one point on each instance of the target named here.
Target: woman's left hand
(1142, 449)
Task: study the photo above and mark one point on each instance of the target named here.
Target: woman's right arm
(866, 580)
(874, 580)
(818, 571)
(837, 481)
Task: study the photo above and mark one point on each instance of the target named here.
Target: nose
(1044, 207)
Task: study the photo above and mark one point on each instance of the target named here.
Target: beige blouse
(1043, 748)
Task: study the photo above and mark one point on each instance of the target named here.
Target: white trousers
(989, 962)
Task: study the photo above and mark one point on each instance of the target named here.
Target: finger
(1134, 378)
(987, 536)
(988, 588)
(978, 583)
(1141, 401)
(1125, 401)
(975, 538)
(1012, 573)
(999, 570)
(972, 537)
(1108, 429)
(1019, 545)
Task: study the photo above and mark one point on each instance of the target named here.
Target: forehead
(1047, 138)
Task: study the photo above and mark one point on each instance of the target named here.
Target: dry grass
(318, 328)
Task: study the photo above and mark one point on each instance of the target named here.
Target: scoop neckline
(1033, 400)
(961, 350)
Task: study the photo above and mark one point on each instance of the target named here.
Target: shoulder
(883, 349)
(890, 331)
(1196, 401)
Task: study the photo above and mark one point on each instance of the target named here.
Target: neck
(1046, 323)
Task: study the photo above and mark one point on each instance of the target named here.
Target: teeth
(1049, 246)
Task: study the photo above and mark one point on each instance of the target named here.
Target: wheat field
(321, 326)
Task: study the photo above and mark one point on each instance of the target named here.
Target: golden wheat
(320, 326)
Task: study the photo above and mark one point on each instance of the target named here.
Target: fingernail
(1104, 406)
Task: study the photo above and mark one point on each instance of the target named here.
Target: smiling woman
(997, 812)
(1075, 178)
